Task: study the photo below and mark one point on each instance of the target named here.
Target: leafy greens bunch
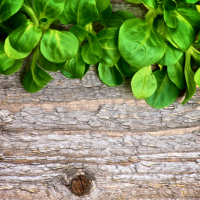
(51, 48)
(125, 46)
(165, 37)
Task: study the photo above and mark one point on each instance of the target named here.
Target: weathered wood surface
(132, 150)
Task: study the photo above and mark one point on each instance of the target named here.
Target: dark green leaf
(105, 15)
(171, 56)
(189, 77)
(49, 66)
(102, 5)
(118, 18)
(91, 51)
(166, 92)
(188, 22)
(13, 68)
(80, 12)
(176, 73)
(9, 8)
(50, 9)
(108, 39)
(110, 76)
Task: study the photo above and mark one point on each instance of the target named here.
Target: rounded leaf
(166, 91)
(58, 46)
(143, 83)
(9, 8)
(140, 45)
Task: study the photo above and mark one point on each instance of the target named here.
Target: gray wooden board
(132, 151)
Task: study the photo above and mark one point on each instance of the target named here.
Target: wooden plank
(131, 150)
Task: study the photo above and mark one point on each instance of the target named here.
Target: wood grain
(133, 151)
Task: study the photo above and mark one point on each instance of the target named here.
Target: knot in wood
(81, 185)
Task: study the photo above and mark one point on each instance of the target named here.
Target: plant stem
(29, 11)
(89, 28)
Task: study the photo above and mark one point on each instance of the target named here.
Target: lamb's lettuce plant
(50, 47)
(122, 46)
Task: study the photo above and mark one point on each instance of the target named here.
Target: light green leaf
(5, 62)
(176, 73)
(9, 8)
(50, 9)
(108, 39)
(118, 18)
(13, 68)
(49, 66)
(140, 45)
(150, 3)
(171, 56)
(110, 76)
(197, 77)
(166, 91)
(143, 83)
(26, 34)
(79, 12)
(58, 46)
(91, 51)
(189, 77)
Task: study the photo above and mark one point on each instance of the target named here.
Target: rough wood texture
(131, 150)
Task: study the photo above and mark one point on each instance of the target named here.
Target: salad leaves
(157, 53)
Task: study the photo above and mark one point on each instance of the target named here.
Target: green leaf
(150, 3)
(91, 51)
(190, 1)
(130, 70)
(176, 73)
(140, 45)
(120, 67)
(166, 91)
(26, 34)
(71, 76)
(79, 12)
(102, 5)
(195, 55)
(36, 78)
(13, 68)
(118, 18)
(49, 66)
(110, 76)
(16, 20)
(171, 56)
(9, 8)
(143, 83)
(5, 62)
(187, 27)
(76, 66)
(28, 3)
(197, 77)
(79, 32)
(108, 39)
(189, 77)
(58, 46)
(50, 9)
(170, 20)
(105, 15)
